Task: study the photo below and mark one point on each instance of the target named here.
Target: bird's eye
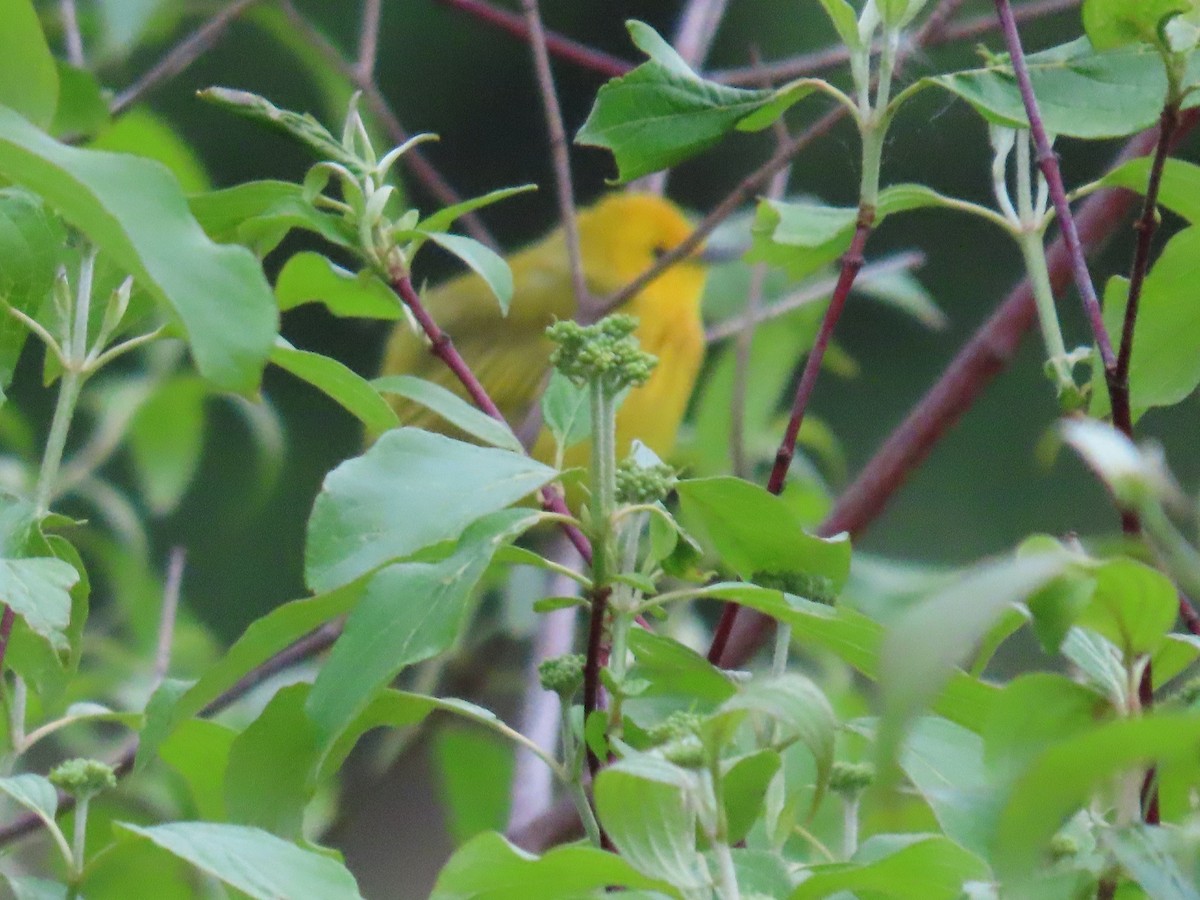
(658, 251)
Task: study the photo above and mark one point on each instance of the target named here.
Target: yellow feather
(620, 237)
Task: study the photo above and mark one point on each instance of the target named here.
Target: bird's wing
(509, 354)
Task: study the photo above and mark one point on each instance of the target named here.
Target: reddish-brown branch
(591, 668)
(443, 348)
(562, 47)
(6, 627)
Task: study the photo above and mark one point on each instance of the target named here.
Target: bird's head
(622, 235)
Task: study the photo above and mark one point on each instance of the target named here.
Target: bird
(620, 237)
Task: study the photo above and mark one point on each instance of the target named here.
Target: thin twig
(559, 154)
(815, 292)
(443, 348)
(984, 356)
(561, 47)
(179, 57)
(71, 35)
(1048, 163)
(819, 60)
(170, 606)
(416, 161)
(368, 39)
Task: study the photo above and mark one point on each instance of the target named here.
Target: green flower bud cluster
(1063, 846)
(606, 353)
(687, 752)
(851, 778)
(676, 726)
(83, 777)
(563, 674)
(817, 588)
(637, 484)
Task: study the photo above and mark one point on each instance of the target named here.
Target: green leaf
(1165, 366)
(1145, 853)
(82, 110)
(744, 790)
(945, 763)
(35, 793)
(28, 73)
(662, 113)
(751, 531)
(489, 866)
(260, 214)
(268, 779)
(252, 861)
(409, 612)
(1081, 93)
(1035, 711)
(38, 590)
(452, 408)
(1178, 191)
(1134, 606)
(646, 806)
(1056, 606)
(410, 490)
(29, 887)
(485, 262)
(471, 804)
(133, 210)
(265, 637)
(32, 243)
(1115, 23)
(1099, 663)
(845, 22)
(675, 671)
(1063, 778)
(166, 437)
(920, 867)
(349, 389)
(142, 132)
(929, 640)
(566, 411)
(898, 13)
(309, 277)
(199, 751)
(448, 215)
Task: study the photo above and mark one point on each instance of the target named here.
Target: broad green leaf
(744, 790)
(799, 711)
(856, 640)
(483, 261)
(28, 73)
(489, 866)
(452, 408)
(409, 612)
(259, 214)
(199, 751)
(1081, 93)
(35, 793)
(253, 861)
(905, 867)
(1099, 663)
(268, 779)
(675, 672)
(645, 805)
(38, 590)
(471, 804)
(166, 437)
(1034, 711)
(802, 236)
(1133, 475)
(762, 872)
(1115, 23)
(845, 22)
(123, 25)
(32, 244)
(1056, 606)
(142, 132)
(134, 211)
(945, 763)
(751, 531)
(337, 381)
(1146, 854)
(925, 644)
(265, 637)
(1165, 366)
(82, 110)
(898, 13)
(662, 112)
(1174, 656)
(565, 411)
(410, 490)
(309, 277)
(160, 718)
(1063, 777)
(29, 887)
(1134, 606)
(1178, 191)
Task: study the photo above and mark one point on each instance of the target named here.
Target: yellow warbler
(619, 237)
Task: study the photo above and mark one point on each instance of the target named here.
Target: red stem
(6, 627)
(562, 47)
(443, 348)
(591, 668)
(1048, 163)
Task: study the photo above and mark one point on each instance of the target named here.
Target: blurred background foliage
(986, 484)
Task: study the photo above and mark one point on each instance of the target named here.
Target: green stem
(80, 836)
(1034, 254)
(849, 826)
(56, 443)
(783, 643)
(603, 483)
